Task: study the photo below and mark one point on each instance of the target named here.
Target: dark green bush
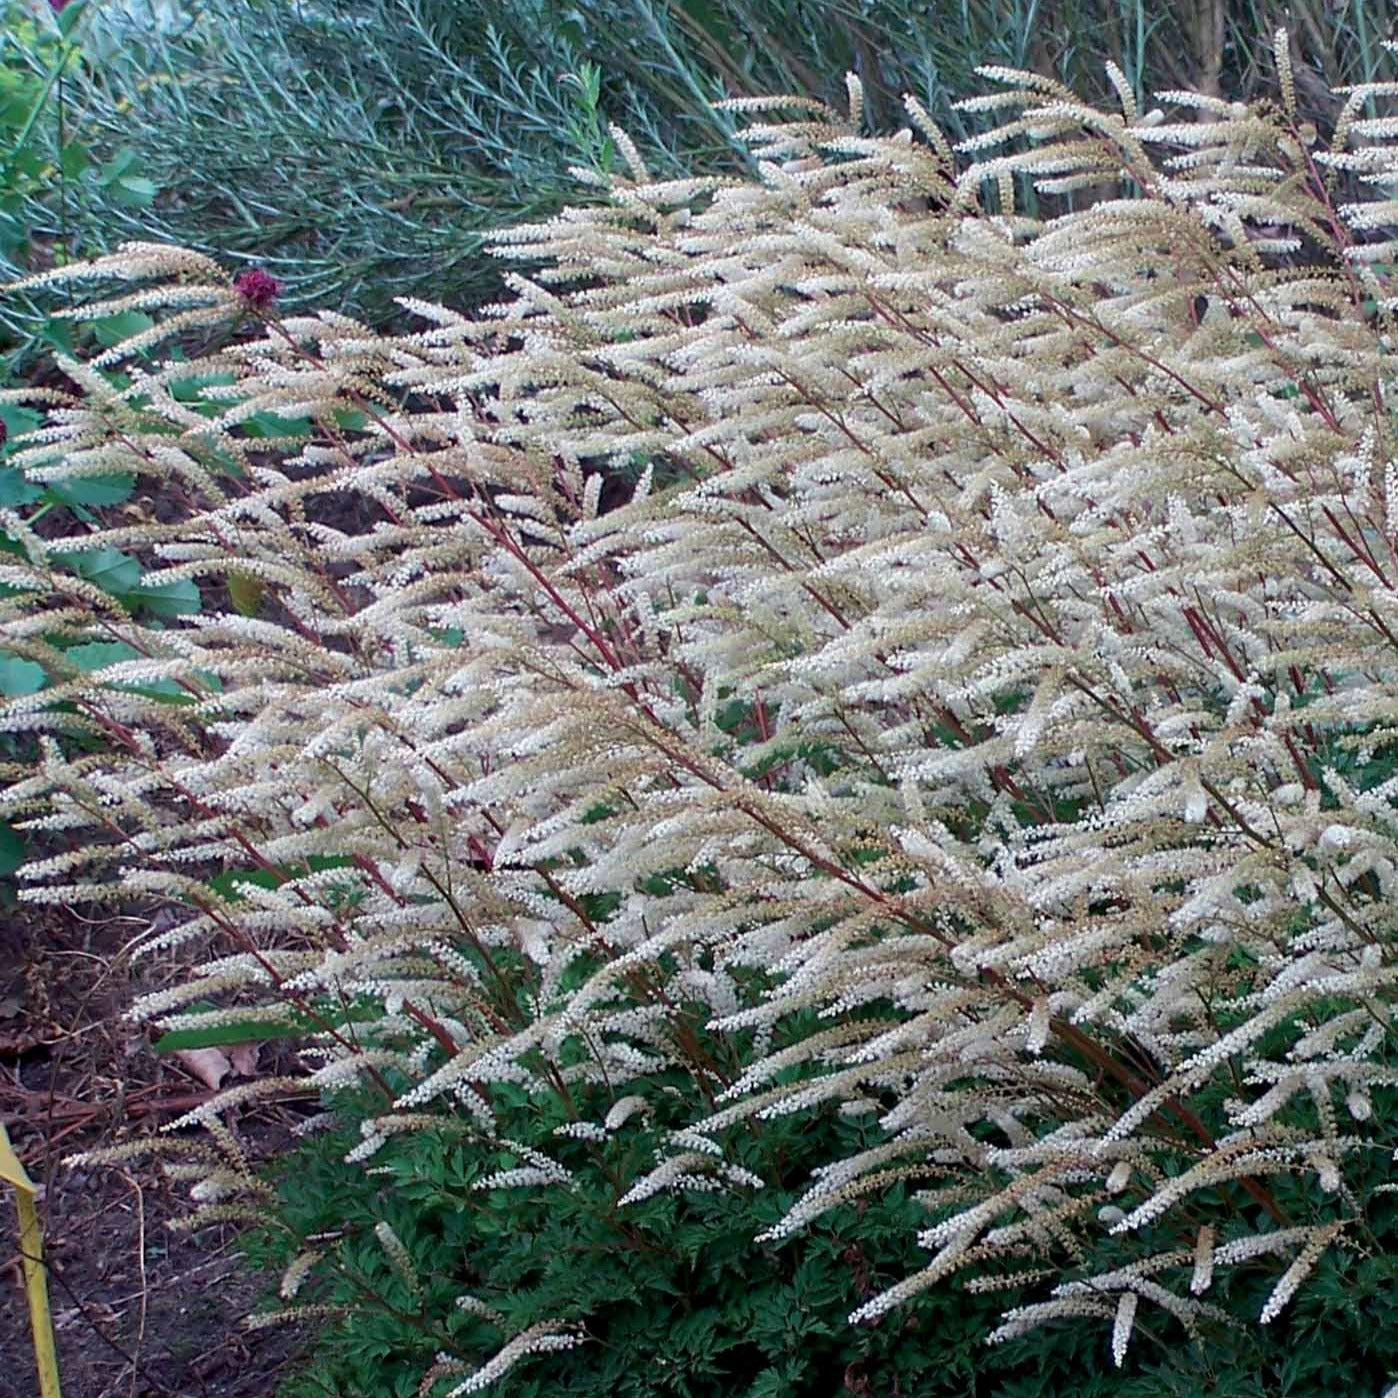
(670, 1293)
(672, 1299)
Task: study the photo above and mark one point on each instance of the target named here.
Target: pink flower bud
(258, 288)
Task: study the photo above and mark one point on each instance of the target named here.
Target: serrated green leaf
(112, 330)
(119, 165)
(115, 573)
(262, 425)
(18, 420)
(74, 160)
(91, 656)
(94, 655)
(57, 331)
(135, 191)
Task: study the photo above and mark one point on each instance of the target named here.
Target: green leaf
(115, 573)
(245, 592)
(261, 425)
(28, 162)
(57, 332)
(112, 330)
(11, 850)
(91, 656)
(226, 884)
(120, 164)
(19, 676)
(191, 390)
(95, 655)
(68, 17)
(74, 160)
(134, 191)
(18, 420)
(15, 490)
(249, 1031)
(168, 600)
(92, 490)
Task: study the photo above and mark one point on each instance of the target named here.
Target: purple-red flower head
(258, 288)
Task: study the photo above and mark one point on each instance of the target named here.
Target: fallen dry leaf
(209, 1065)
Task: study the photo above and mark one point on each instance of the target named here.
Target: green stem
(70, 47)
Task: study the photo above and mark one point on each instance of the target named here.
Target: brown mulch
(141, 1310)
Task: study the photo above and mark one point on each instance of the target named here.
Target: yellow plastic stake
(31, 1248)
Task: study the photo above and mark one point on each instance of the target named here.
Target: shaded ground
(141, 1310)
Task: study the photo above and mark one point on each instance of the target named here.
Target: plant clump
(970, 720)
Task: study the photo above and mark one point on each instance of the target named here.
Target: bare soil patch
(142, 1309)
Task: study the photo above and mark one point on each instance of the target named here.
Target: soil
(141, 1309)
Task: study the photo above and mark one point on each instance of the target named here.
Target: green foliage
(65, 508)
(32, 60)
(47, 172)
(671, 1294)
(362, 148)
(673, 1298)
(56, 189)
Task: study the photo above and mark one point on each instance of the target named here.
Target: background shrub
(362, 149)
(63, 183)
